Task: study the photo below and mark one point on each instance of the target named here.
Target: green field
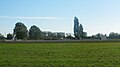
(60, 54)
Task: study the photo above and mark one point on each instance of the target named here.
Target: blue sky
(96, 16)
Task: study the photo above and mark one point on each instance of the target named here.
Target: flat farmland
(106, 54)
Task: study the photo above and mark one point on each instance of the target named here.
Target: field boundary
(60, 41)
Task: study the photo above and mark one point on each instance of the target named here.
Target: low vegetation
(59, 54)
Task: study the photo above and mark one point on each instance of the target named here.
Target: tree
(69, 36)
(1, 37)
(20, 31)
(80, 32)
(114, 35)
(98, 35)
(9, 36)
(34, 33)
(76, 27)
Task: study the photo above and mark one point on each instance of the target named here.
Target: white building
(103, 37)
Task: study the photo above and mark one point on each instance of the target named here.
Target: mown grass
(60, 54)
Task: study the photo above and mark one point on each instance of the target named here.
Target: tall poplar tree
(76, 27)
(78, 30)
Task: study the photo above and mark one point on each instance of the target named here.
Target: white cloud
(23, 17)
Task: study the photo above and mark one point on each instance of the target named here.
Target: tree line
(34, 33)
(20, 31)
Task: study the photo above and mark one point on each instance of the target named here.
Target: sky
(96, 16)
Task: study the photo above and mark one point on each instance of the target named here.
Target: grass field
(60, 54)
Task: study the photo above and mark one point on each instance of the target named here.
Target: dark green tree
(76, 27)
(20, 31)
(34, 33)
(1, 36)
(80, 32)
(114, 35)
(98, 35)
(69, 37)
(9, 36)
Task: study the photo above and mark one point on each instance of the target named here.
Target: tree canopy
(80, 31)
(114, 35)
(1, 36)
(20, 31)
(9, 36)
(76, 27)
(34, 33)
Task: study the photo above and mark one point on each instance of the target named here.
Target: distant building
(103, 37)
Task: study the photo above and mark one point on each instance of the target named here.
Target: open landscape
(92, 54)
(59, 33)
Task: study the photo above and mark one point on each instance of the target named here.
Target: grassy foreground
(60, 54)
